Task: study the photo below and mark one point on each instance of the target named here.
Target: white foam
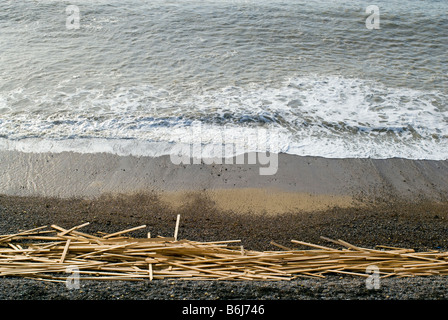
(332, 117)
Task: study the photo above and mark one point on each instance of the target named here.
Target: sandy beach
(300, 183)
(393, 202)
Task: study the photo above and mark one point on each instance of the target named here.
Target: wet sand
(300, 183)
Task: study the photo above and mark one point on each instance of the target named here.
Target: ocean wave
(327, 116)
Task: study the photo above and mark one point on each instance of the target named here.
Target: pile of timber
(46, 253)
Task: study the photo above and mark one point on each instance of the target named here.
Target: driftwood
(45, 253)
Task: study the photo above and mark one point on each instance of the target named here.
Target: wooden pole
(64, 253)
(124, 231)
(176, 230)
(151, 276)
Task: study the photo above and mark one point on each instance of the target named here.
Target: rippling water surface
(137, 74)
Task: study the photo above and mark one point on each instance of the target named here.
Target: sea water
(133, 77)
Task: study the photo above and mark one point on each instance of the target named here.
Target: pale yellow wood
(176, 230)
(280, 246)
(312, 245)
(10, 236)
(104, 250)
(74, 228)
(40, 255)
(64, 253)
(124, 231)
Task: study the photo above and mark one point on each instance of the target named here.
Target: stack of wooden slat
(46, 253)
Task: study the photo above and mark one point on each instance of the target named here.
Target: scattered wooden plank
(151, 275)
(124, 231)
(74, 228)
(176, 230)
(64, 253)
(312, 245)
(37, 254)
(26, 232)
(280, 246)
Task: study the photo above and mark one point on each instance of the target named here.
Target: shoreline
(300, 183)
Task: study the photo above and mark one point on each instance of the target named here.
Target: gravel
(422, 226)
(332, 288)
